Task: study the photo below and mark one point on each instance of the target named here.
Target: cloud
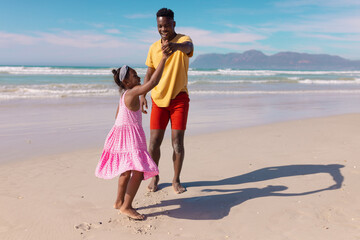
(139, 15)
(70, 47)
(82, 39)
(324, 24)
(208, 38)
(147, 36)
(319, 3)
(319, 27)
(70, 21)
(346, 38)
(266, 29)
(7, 39)
(61, 44)
(96, 25)
(113, 31)
(77, 39)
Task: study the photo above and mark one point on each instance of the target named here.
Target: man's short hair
(165, 12)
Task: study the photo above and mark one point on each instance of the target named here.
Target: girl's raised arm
(153, 81)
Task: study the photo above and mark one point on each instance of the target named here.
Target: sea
(52, 109)
(39, 82)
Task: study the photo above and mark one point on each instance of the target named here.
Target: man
(170, 100)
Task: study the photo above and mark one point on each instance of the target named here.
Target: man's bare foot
(178, 188)
(117, 205)
(132, 214)
(153, 185)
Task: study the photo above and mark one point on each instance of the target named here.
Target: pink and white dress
(125, 147)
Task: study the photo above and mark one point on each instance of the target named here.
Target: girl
(125, 151)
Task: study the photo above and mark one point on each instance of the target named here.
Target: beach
(263, 160)
(288, 180)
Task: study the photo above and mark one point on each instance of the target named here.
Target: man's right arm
(150, 71)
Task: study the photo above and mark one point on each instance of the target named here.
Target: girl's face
(133, 79)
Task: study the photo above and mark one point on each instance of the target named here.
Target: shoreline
(53, 126)
(306, 170)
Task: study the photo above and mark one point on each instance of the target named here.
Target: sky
(110, 33)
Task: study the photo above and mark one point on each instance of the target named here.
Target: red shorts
(176, 112)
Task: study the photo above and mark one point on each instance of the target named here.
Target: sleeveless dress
(125, 147)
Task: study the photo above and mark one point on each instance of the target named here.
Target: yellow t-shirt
(174, 78)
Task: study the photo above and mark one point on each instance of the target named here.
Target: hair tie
(123, 71)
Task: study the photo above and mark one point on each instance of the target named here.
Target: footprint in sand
(83, 226)
(88, 226)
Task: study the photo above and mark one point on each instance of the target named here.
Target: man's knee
(154, 144)
(178, 147)
(156, 137)
(178, 141)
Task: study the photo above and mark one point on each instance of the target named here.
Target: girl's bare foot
(132, 214)
(178, 188)
(153, 185)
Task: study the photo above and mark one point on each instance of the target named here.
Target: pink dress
(125, 147)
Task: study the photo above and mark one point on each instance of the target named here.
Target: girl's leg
(122, 184)
(131, 190)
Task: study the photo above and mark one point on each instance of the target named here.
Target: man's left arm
(185, 47)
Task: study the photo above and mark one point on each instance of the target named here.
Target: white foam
(55, 91)
(22, 70)
(275, 92)
(269, 72)
(231, 72)
(60, 71)
(31, 92)
(317, 81)
(233, 81)
(350, 73)
(294, 78)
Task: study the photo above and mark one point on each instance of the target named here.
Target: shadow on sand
(217, 206)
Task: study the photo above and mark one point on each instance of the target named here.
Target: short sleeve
(149, 61)
(187, 39)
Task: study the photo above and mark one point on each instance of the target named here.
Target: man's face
(166, 28)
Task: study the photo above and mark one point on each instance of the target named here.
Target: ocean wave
(232, 72)
(316, 81)
(204, 82)
(350, 73)
(58, 91)
(214, 92)
(55, 91)
(60, 71)
(295, 80)
(26, 70)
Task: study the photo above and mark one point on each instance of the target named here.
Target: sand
(289, 180)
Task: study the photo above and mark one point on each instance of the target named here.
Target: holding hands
(168, 48)
(167, 51)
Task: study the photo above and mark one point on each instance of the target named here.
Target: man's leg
(156, 138)
(177, 137)
(178, 114)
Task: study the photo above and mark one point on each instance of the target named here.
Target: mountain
(254, 59)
